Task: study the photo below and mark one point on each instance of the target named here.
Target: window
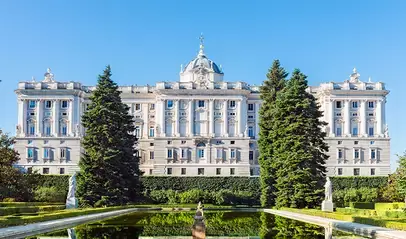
(63, 153)
(372, 171)
(47, 129)
(30, 153)
(371, 131)
(169, 142)
(232, 171)
(45, 170)
(31, 104)
(152, 106)
(48, 104)
(151, 132)
(169, 171)
(231, 103)
(151, 144)
(356, 153)
(356, 171)
(183, 142)
(355, 104)
(338, 114)
(64, 104)
(340, 171)
(218, 142)
(64, 129)
(232, 153)
(138, 107)
(150, 172)
(61, 170)
(250, 116)
(183, 153)
(355, 131)
(47, 153)
(29, 141)
(373, 153)
(251, 172)
(219, 154)
(201, 103)
(218, 171)
(372, 142)
(251, 155)
(169, 104)
(371, 104)
(137, 132)
(151, 154)
(355, 114)
(339, 142)
(46, 141)
(200, 153)
(232, 142)
(169, 153)
(356, 142)
(338, 104)
(183, 171)
(31, 129)
(200, 171)
(338, 131)
(370, 114)
(29, 170)
(340, 154)
(251, 131)
(250, 107)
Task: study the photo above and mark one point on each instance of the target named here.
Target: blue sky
(146, 41)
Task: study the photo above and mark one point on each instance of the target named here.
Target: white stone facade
(200, 125)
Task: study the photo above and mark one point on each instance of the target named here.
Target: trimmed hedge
(389, 206)
(30, 209)
(362, 205)
(344, 183)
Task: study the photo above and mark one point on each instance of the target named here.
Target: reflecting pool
(180, 225)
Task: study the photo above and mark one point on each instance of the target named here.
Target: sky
(146, 41)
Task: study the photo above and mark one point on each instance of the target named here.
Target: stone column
(211, 117)
(257, 120)
(70, 118)
(379, 117)
(363, 119)
(347, 121)
(191, 117)
(22, 118)
(56, 118)
(177, 118)
(225, 118)
(332, 116)
(40, 104)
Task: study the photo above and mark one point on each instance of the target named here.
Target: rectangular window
(47, 130)
(231, 103)
(46, 153)
(29, 170)
(250, 116)
(150, 172)
(64, 130)
(218, 171)
(373, 154)
(169, 142)
(340, 171)
(170, 153)
(30, 153)
(232, 153)
(372, 171)
(219, 153)
(137, 132)
(356, 142)
(63, 153)
(152, 106)
(251, 155)
(62, 171)
(339, 142)
(64, 104)
(200, 153)
(169, 104)
(338, 131)
(151, 154)
(169, 171)
(183, 142)
(251, 172)
(338, 104)
(201, 103)
(232, 171)
(371, 104)
(355, 131)
(200, 171)
(251, 131)
(48, 104)
(137, 107)
(354, 114)
(32, 129)
(356, 154)
(370, 131)
(183, 171)
(356, 171)
(250, 107)
(355, 104)
(45, 170)
(151, 132)
(232, 142)
(340, 154)
(31, 104)
(183, 153)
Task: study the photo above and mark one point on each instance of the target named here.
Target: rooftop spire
(201, 53)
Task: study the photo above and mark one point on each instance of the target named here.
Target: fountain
(199, 228)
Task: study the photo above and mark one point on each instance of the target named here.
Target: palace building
(200, 125)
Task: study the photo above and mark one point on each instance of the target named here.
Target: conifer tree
(109, 167)
(401, 176)
(298, 146)
(276, 78)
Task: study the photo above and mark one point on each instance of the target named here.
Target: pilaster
(257, 105)
(40, 104)
(191, 117)
(177, 118)
(379, 118)
(225, 118)
(332, 126)
(56, 117)
(21, 128)
(347, 121)
(363, 119)
(211, 117)
(70, 118)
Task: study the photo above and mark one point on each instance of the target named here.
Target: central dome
(202, 61)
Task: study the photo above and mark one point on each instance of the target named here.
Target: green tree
(275, 82)
(401, 175)
(298, 146)
(109, 167)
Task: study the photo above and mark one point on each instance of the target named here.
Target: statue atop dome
(354, 77)
(49, 76)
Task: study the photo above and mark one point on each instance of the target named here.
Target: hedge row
(343, 183)
(30, 209)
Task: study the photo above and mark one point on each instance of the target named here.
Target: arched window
(201, 150)
(63, 128)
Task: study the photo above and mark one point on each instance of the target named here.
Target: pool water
(179, 225)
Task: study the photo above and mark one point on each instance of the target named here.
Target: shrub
(49, 194)
(192, 196)
(343, 183)
(9, 200)
(389, 206)
(362, 205)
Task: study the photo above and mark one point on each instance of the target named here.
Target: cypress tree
(109, 167)
(276, 78)
(298, 146)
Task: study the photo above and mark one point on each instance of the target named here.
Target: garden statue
(199, 227)
(71, 201)
(328, 205)
(386, 131)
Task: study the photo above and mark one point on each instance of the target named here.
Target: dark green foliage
(109, 168)
(390, 192)
(362, 205)
(275, 82)
(298, 146)
(342, 183)
(343, 198)
(49, 194)
(401, 175)
(29, 209)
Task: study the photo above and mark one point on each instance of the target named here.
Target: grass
(394, 220)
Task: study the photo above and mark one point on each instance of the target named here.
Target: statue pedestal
(71, 203)
(327, 206)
